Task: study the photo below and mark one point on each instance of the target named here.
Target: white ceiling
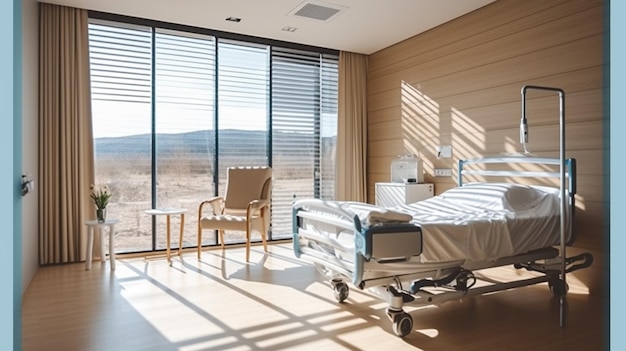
(362, 26)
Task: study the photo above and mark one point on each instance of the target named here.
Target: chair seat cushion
(225, 222)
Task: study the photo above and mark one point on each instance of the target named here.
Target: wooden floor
(277, 302)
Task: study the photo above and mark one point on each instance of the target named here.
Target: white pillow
(496, 196)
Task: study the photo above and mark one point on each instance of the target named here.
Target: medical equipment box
(407, 169)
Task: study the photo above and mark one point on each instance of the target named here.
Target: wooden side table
(94, 225)
(169, 212)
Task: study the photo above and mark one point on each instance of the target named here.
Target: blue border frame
(614, 11)
(10, 97)
(11, 154)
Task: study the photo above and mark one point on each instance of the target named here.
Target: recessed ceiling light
(290, 29)
(233, 19)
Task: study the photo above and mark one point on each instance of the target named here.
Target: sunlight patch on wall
(512, 147)
(469, 139)
(420, 121)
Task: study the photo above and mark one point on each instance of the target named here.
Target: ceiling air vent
(317, 10)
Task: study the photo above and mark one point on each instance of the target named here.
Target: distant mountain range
(232, 142)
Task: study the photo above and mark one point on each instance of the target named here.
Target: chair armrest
(256, 205)
(217, 204)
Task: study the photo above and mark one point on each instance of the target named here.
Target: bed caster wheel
(402, 324)
(558, 287)
(341, 291)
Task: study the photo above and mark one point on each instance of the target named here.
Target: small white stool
(91, 227)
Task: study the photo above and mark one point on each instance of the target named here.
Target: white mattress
(476, 222)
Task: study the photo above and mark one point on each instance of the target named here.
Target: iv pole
(524, 141)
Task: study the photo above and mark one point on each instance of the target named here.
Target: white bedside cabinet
(394, 194)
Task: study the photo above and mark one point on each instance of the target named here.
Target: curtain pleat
(351, 180)
(66, 164)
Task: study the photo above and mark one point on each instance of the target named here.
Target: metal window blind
(301, 83)
(215, 100)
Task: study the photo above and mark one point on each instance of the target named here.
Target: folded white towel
(372, 215)
(368, 214)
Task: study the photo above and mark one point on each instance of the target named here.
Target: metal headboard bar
(513, 159)
(512, 173)
(570, 169)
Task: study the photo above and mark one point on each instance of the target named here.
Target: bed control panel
(390, 243)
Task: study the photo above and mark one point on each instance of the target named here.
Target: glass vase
(101, 215)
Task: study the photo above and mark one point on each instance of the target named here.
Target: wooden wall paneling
(450, 77)
(459, 84)
(383, 130)
(384, 114)
(583, 141)
(590, 167)
(548, 62)
(505, 101)
(542, 137)
(379, 148)
(510, 40)
(524, 68)
(591, 235)
(384, 99)
(584, 136)
(498, 19)
(579, 106)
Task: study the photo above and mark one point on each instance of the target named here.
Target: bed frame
(380, 259)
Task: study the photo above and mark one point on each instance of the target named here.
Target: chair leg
(199, 241)
(248, 242)
(264, 239)
(264, 233)
(222, 238)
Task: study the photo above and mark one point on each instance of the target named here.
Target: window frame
(219, 35)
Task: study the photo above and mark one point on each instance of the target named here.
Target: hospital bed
(431, 251)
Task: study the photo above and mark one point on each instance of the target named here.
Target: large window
(172, 109)
(303, 128)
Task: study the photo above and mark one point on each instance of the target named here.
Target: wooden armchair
(245, 206)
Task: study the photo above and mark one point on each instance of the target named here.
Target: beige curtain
(351, 180)
(66, 165)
